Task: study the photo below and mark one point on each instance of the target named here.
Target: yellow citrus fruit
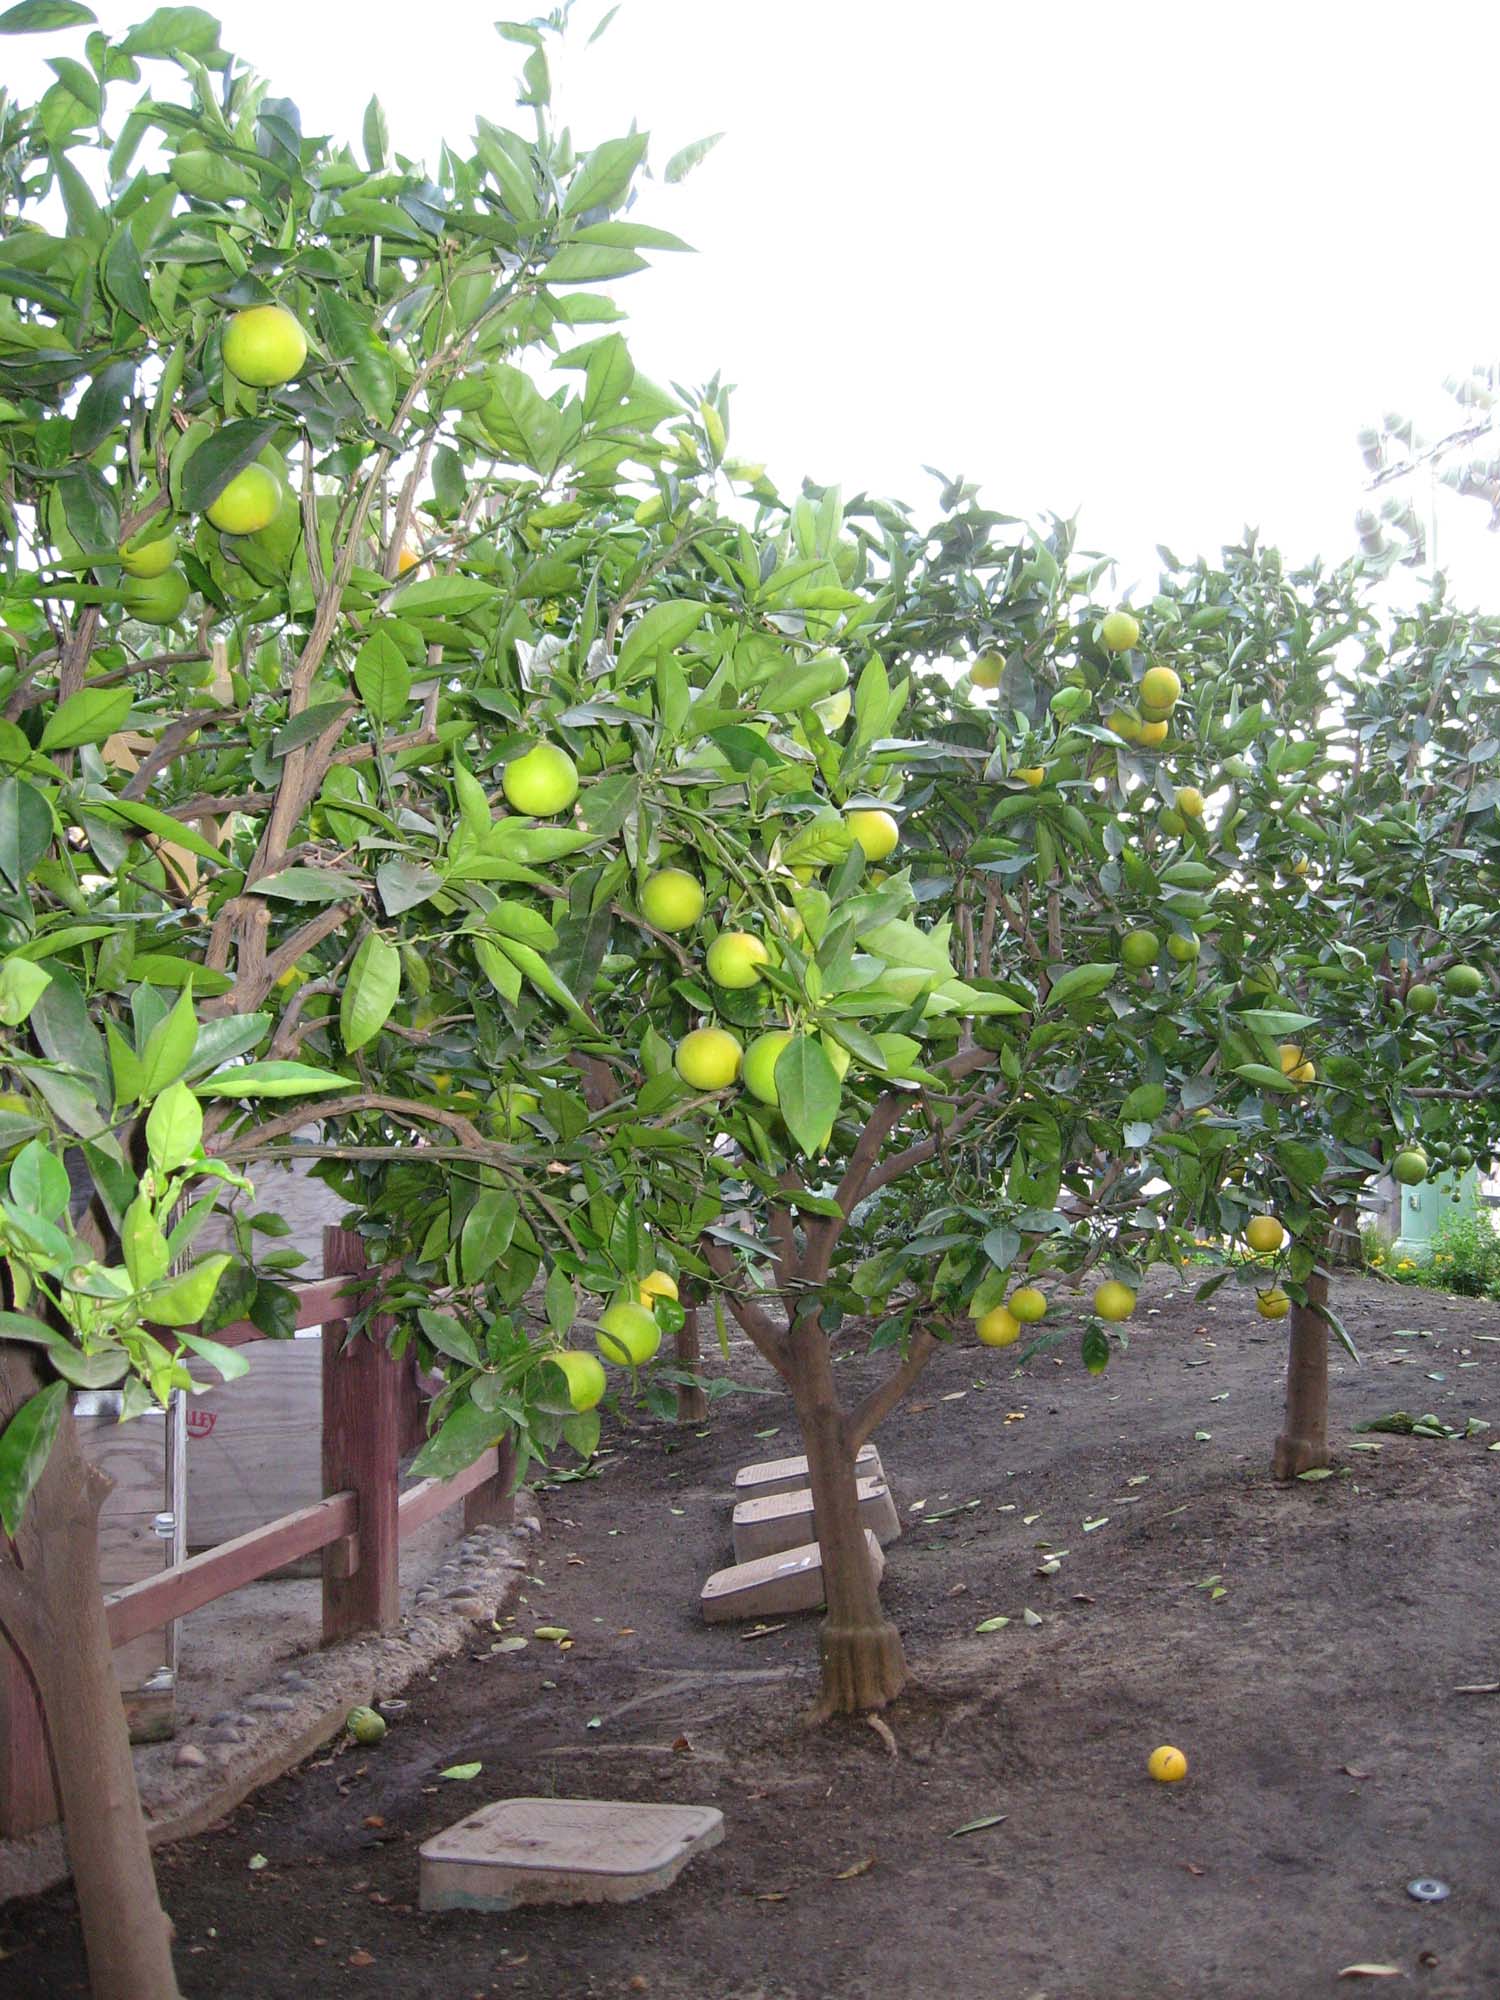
(876, 832)
(585, 1375)
(1125, 725)
(264, 346)
(248, 503)
(999, 1327)
(1272, 1303)
(735, 958)
(672, 900)
(1264, 1234)
(1151, 735)
(146, 558)
(1294, 1065)
(1032, 774)
(656, 1285)
(708, 1058)
(628, 1334)
(760, 1065)
(1190, 801)
(1120, 631)
(408, 559)
(1167, 1765)
(156, 600)
(365, 1726)
(1160, 688)
(1028, 1303)
(541, 781)
(987, 669)
(1113, 1300)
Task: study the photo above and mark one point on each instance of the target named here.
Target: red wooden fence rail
(371, 1415)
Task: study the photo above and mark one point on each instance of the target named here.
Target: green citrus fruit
(1138, 949)
(1410, 1166)
(1190, 801)
(760, 1065)
(1113, 1300)
(672, 900)
(628, 1334)
(1028, 1303)
(364, 1725)
(708, 1058)
(876, 832)
(248, 503)
(1464, 981)
(1125, 725)
(735, 958)
(147, 558)
(1184, 949)
(585, 1375)
(514, 1104)
(1120, 631)
(1422, 999)
(541, 781)
(987, 669)
(1264, 1234)
(1273, 1303)
(156, 600)
(264, 346)
(999, 1327)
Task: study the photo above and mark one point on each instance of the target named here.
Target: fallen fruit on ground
(708, 1058)
(672, 900)
(264, 346)
(999, 1327)
(1120, 631)
(541, 782)
(628, 1334)
(1028, 1303)
(585, 1375)
(1167, 1764)
(735, 958)
(1264, 1234)
(876, 831)
(364, 1725)
(1112, 1300)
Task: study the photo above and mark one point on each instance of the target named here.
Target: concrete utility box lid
(785, 1475)
(792, 1581)
(786, 1520)
(562, 1851)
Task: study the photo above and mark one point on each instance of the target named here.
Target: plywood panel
(134, 1456)
(255, 1446)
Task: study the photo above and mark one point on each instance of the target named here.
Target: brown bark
(1345, 1251)
(692, 1404)
(52, 1604)
(1303, 1444)
(862, 1659)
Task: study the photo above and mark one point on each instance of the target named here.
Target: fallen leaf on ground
(1479, 1687)
(859, 1868)
(886, 1734)
(762, 1631)
(991, 1624)
(769, 1896)
(361, 1958)
(257, 1862)
(463, 1772)
(1363, 1971)
(1030, 1618)
(1193, 1868)
(374, 1819)
(1350, 1772)
(978, 1825)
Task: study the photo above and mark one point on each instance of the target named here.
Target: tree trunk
(1303, 1444)
(1345, 1251)
(863, 1663)
(692, 1404)
(53, 1604)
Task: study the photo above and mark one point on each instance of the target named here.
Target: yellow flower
(1406, 1265)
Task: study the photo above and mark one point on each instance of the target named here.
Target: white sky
(1158, 260)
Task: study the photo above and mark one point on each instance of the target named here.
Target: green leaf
(370, 991)
(169, 1047)
(561, 1301)
(25, 830)
(22, 984)
(150, 820)
(174, 1129)
(183, 1301)
(36, 17)
(39, 1181)
(86, 717)
(462, 1772)
(230, 1362)
(464, 1434)
(445, 597)
(978, 1825)
(1147, 1101)
(142, 1244)
(664, 626)
(582, 1433)
(487, 1232)
(1095, 1350)
(603, 179)
(273, 1079)
(449, 1337)
(1275, 1020)
(382, 677)
(1265, 1078)
(24, 1446)
(807, 1086)
(174, 31)
(901, 943)
(307, 885)
(1082, 983)
(683, 162)
(222, 454)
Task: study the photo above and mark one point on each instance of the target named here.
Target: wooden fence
(372, 1414)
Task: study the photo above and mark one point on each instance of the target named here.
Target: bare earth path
(1331, 1758)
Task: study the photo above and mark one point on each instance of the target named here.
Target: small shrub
(1466, 1254)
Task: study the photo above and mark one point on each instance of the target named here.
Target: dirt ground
(1307, 1648)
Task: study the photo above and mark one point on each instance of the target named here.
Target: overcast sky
(1156, 261)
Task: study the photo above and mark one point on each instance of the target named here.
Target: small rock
(271, 1704)
(224, 1715)
(189, 1756)
(299, 1683)
(225, 1732)
(463, 1600)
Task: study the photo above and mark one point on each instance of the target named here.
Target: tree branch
(245, 1145)
(868, 1414)
(758, 1324)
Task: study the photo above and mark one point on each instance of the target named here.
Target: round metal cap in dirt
(1428, 1889)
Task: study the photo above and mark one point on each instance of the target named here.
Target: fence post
(28, 1796)
(363, 1394)
(495, 1501)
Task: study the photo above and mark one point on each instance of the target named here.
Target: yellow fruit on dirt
(1264, 1234)
(1028, 1304)
(1113, 1300)
(760, 1065)
(708, 1058)
(141, 557)
(999, 1327)
(672, 900)
(248, 503)
(1294, 1065)
(156, 600)
(1167, 1765)
(628, 1334)
(876, 832)
(1120, 631)
(264, 346)
(1190, 801)
(541, 781)
(735, 958)
(986, 670)
(365, 1726)
(1160, 688)
(585, 1376)
(1032, 774)
(1151, 735)
(1272, 1303)
(656, 1285)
